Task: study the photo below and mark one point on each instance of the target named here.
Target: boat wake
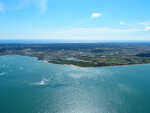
(44, 81)
(1, 74)
(20, 68)
(54, 82)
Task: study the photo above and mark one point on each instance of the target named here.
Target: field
(83, 54)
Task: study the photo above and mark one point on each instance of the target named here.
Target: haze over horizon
(75, 19)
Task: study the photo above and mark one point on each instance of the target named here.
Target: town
(83, 54)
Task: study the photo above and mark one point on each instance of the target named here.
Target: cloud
(1, 7)
(137, 25)
(80, 34)
(147, 29)
(96, 15)
(96, 31)
(122, 23)
(145, 23)
(42, 5)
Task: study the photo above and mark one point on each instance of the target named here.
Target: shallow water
(28, 85)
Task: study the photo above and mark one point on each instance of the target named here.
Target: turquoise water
(28, 85)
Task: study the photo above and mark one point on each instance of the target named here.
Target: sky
(75, 19)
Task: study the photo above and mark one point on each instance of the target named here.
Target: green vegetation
(117, 60)
(81, 64)
(83, 54)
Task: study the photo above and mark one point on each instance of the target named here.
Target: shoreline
(94, 66)
(45, 61)
(65, 64)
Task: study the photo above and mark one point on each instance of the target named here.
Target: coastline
(45, 61)
(65, 64)
(94, 66)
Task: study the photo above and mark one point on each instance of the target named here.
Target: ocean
(28, 85)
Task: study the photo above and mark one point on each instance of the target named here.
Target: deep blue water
(28, 85)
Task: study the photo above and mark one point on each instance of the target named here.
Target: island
(83, 54)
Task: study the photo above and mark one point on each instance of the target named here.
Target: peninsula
(83, 54)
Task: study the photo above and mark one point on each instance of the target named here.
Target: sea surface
(28, 85)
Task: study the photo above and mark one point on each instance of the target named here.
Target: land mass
(83, 54)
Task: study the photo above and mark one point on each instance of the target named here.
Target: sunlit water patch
(28, 85)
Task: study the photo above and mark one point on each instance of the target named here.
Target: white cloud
(80, 34)
(122, 23)
(21, 4)
(96, 15)
(147, 29)
(1, 7)
(97, 31)
(42, 5)
(145, 23)
(137, 25)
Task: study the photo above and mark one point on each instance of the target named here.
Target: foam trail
(1, 74)
(44, 81)
(20, 68)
